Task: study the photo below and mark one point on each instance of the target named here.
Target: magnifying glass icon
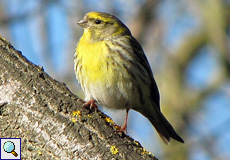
(9, 147)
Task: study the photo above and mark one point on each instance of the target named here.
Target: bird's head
(100, 26)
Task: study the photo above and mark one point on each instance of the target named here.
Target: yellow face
(100, 26)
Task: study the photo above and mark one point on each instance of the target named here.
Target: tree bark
(50, 119)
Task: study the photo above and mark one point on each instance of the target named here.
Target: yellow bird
(113, 70)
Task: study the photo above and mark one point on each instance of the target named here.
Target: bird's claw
(122, 129)
(90, 104)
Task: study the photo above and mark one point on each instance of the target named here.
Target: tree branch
(50, 120)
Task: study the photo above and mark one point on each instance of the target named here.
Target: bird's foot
(90, 104)
(122, 128)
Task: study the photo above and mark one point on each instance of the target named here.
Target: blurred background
(187, 43)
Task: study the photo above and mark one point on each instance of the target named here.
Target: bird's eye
(98, 21)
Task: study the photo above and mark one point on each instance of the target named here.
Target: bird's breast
(92, 57)
(102, 77)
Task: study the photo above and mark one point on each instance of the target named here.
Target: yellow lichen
(109, 120)
(2, 38)
(77, 113)
(117, 127)
(144, 151)
(137, 143)
(89, 115)
(73, 120)
(113, 150)
(40, 152)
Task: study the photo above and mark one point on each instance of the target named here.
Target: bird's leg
(91, 104)
(123, 128)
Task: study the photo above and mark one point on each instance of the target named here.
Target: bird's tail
(163, 127)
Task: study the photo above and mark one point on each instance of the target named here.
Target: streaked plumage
(112, 69)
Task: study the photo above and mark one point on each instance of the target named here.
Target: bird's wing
(141, 58)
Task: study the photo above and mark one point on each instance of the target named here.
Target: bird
(113, 71)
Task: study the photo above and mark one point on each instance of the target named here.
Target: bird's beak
(82, 23)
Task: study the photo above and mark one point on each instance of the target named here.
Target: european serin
(113, 70)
